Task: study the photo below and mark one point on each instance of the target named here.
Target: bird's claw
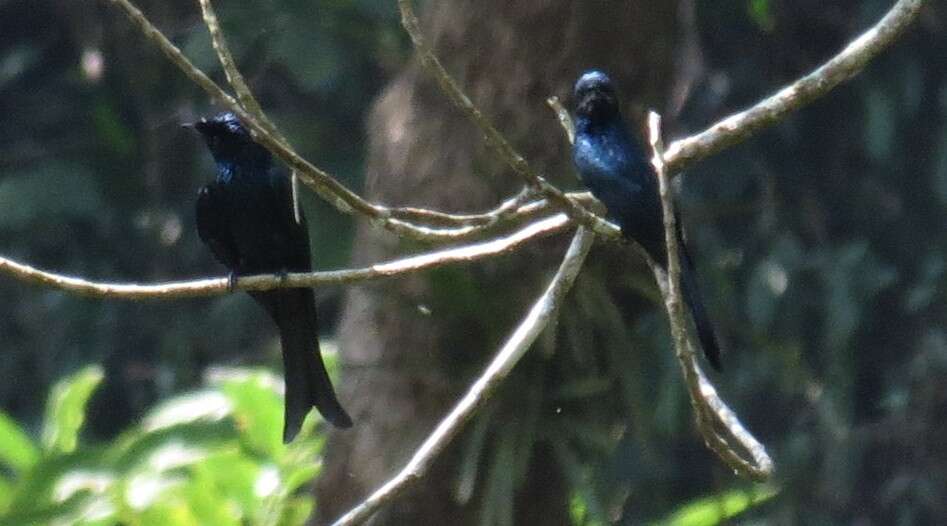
(231, 281)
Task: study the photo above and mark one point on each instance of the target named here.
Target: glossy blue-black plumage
(246, 218)
(613, 165)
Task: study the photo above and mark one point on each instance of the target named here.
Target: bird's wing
(213, 228)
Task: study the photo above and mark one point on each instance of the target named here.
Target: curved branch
(404, 221)
(214, 286)
(507, 209)
(539, 316)
(710, 408)
(848, 63)
(234, 77)
(494, 139)
(320, 181)
(323, 183)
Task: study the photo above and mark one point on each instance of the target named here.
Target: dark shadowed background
(821, 246)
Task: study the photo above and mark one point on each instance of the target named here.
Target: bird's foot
(231, 281)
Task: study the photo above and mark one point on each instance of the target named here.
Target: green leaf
(579, 511)
(170, 510)
(761, 11)
(718, 509)
(6, 495)
(16, 449)
(201, 406)
(57, 482)
(65, 410)
(257, 406)
(296, 512)
(302, 474)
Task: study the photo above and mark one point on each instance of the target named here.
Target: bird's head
(595, 97)
(227, 139)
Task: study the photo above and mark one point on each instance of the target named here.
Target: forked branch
(711, 411)
(539, 316)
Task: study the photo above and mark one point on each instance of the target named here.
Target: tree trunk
(410, 347)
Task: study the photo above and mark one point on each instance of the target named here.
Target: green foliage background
(213, 456)
(823, 244)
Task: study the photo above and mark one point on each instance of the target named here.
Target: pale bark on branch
(710, 409)
(540, 315)
(215, 286)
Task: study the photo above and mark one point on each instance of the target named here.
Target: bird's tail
(307, 382)
(692, 297)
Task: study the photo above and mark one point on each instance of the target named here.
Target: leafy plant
(209, 457)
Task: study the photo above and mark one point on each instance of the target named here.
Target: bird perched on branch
(247, 219)
(613, 165)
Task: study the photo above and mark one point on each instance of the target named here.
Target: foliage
(213, 456)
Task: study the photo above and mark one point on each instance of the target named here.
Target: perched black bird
(614, 167)
(246, 218)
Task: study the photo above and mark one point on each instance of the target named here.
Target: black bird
(246, 218)
(613, 165)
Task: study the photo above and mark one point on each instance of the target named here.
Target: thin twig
(244, 94)
(214, 286)
(320, 181)
(843, 66)
(507, 209)
(710, 408)
(229, 65)
(565, 119)
(494, 139)
(680, 154)
(399, 221)
(540, 315)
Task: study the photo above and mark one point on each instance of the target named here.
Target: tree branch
(710, 409)
(403, 221)
(214, 286)
(494, 139)
(539, 316)
(234, 77)
(320, 181)
(244, 94)
(848, 63)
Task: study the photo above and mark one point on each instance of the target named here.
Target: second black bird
(246, 218)
(614, 167)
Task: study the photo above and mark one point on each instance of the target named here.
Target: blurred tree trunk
(411, 347)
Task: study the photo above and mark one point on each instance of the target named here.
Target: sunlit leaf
(208, 406)
(718, 509)
(17, 450)
(296, 512)
(65, 409)
(257, 405)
